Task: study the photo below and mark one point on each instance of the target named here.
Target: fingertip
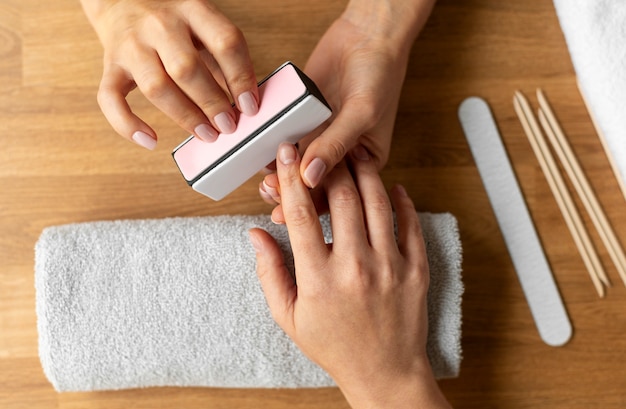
(400, 191)
(144, 140)
(248, 103)
(206, 133)
(255, 240)
(278, 217)
(314, 172)
(287, 153)
(111, 97)
(267, 198)
(225, 122)
(401, 200)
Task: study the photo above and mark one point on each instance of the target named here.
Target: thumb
(277, 283)
(328, 149)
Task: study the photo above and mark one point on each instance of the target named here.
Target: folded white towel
(176, 302)
(595, 31)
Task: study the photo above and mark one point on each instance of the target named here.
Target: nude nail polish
(206, 132)
(225, 123)
(314, 172)
(248, 104)
(145, 140)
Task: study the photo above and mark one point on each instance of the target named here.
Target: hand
(359, 65)
(358, 308)
(185, 56)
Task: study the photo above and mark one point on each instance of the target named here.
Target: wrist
(397, 22)
(416, 389)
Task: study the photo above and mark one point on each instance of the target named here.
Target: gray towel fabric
(176, 302)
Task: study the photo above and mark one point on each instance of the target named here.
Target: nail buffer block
(290, 107)
(514, 220)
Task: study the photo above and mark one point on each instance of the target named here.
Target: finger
(319, 201)
(278, 217)
(185, 66)
(277, 283)
(270, 185)
(114, 87)
(376, 203)
(162, 92)
(410, 239)
(265, 196)
(346, 213)
(305, 231)
(331, 146)
(227, 44)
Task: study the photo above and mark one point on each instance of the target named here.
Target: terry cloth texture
(595, 31)
(176, 302)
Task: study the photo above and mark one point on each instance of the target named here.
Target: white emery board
(519, 233)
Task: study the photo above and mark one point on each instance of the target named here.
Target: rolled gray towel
(176, 302)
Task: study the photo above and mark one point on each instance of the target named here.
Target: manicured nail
(248, 104)
(145, 140)
(258, 247)
(314, 172)
(205, 132)
(272, 191)
(275, 221)
(286, 153)
(361, 153)
(225, 123)
(265, 196)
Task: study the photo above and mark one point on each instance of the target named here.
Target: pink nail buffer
(290, 107)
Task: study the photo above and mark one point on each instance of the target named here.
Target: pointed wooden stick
(559, 190)
(581, 184)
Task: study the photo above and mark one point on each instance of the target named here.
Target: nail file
(521, 239)
(290, 107)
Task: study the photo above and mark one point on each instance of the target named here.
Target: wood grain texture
(60, 163)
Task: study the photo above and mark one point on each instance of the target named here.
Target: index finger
(227, 45)
(301, 218)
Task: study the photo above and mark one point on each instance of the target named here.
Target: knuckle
(387, 278)
(358, 278)
(419, 277)
(379, 203)
(212, 104)
(152, 84)
(337, 149)
(159, 19)
(298, 214)
(228, 41)
(344, 196)
(241, 80)
(183, 67)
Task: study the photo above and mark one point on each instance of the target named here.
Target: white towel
(176, 302)
(595, 31)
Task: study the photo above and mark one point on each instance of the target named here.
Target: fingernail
(258, 247)
(360, 153)
(275, 221)
(287, 153)
(273, 192)
(265, 196)
(145, 140)
(314, 172)
(225, 123)
(248, 103)
(205, 132)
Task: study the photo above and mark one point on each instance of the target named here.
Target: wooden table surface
(60, 162)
